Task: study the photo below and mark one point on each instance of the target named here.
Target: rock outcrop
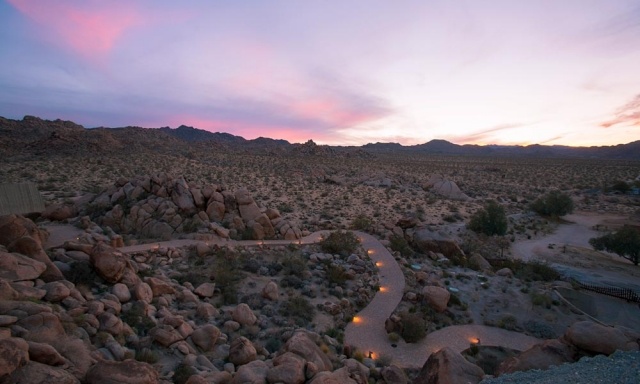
(160, 207)
(448, 367)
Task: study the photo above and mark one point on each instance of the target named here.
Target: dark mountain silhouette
(35, 136)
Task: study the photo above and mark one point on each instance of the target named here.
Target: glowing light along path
(366, 332)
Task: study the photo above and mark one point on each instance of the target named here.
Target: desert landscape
(160, 259)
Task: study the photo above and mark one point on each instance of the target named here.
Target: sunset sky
(338, 72)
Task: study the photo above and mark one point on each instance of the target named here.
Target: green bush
(182, 373)
(413, 327)
(490, 220)
(625, 243)
(553, 204)
(336, 274)
(361, 223)
(400, 244)
(508, 322)
(340, 242)
(298, 308)
(294, 264)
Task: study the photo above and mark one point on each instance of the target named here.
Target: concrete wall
(21, 198)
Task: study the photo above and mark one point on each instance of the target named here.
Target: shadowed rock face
(541, 356)
(426, 240)
(125, 372)
(448, 367)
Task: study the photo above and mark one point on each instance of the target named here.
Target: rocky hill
(35, 136)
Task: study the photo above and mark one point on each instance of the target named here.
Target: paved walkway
(367, 333)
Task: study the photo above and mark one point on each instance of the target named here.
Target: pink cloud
(89, 28)
(628, 114)
(334, 112)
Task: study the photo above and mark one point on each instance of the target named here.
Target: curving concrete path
(366, 332)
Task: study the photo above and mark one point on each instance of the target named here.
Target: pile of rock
(161, 206)
(52, 330)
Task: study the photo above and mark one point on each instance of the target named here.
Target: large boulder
(248, 208)
(182, 197)
(244, 315)
(17, 267)
(479, 263)
(426, 240)
(394, 375)
(159, 287)
(596, 338)
(109, 263)
(437, 297)
(270, 291)
(43, 327)
(303, 346)
(59, 212)
(13, 227)
(540, 356)
(288, 368)
(35, 372)
(28, 246)
(14, 352)
(254, 372)
(445, 188)
(206, 337)
(242, 351)
(125, 372)
(448, 367)
(45, 354)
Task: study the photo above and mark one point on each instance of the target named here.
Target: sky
(338, 72)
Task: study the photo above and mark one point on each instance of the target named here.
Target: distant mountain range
(33, 135)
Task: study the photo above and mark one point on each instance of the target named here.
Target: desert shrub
(336, 334)
(541, 299)
(539, 330)
(553, 204)
(621, 186)
(81, 273)
(413, 327)
(292, 281)
(625, 243)
(273, 344)
(182, 373)
(137, 320)
(384, 360)
(294, 264)
(340, 242)
(147, 355)
(336, 274)
(508, 322)
(528, 271)
(490, 220)
(400, 244)
(298, 308)
(361, 223)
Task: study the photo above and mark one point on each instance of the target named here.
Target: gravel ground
(619, 368)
